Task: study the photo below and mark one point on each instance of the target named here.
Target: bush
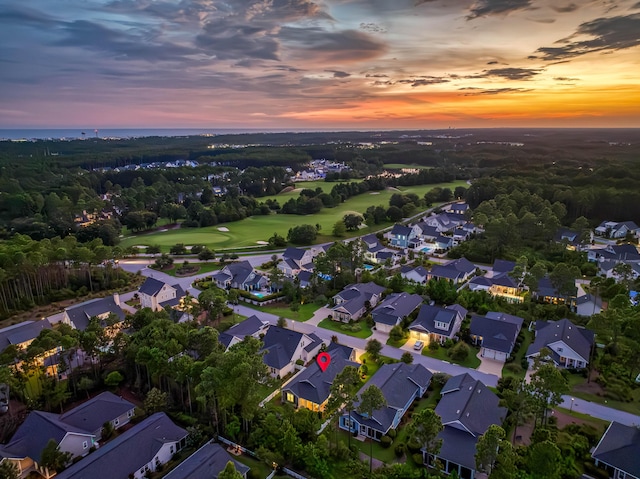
(386, 441)
(460, 351)
(417, 458)
(413, 447)
(513, 368)
(392, 433)
(400, 449)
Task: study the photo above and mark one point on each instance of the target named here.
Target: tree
(230, 472)
(343, 391)
(406, 357)
(396, 333)
(352, 222)
(213, 301)
(394, 214)
(53, 458)
(373, 348)
(563, 278)
(371, 400)
(113, 379)
(424, 429)
(8, 470)
(156, 401)
(547, 386)
(282, 322)
(544, 460)
(302, 234)
(206, 255)
(339, 229)
(488, 448)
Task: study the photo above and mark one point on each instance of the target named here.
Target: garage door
(488, 353)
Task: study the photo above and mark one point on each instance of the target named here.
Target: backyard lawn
(247, 232)
(284, 310)
(441, 353)
(343, 328)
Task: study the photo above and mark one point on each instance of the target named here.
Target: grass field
(441, 353)
(249, 231)
(336, 326)
(304, 185)
(204, 268)
(283, 310)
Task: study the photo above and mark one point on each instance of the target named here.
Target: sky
(326, 64)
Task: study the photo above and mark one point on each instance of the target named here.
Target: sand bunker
(262, 242)
(374, 193)
(223, 228)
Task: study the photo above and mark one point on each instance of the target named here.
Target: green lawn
(204, 268)
(228, 321)
(441, 353)
(397, 344)
(304, 185)
(248, 232)
(632, 407)
(336, 326)
(259, 467)
(284, 310)
(528, 337)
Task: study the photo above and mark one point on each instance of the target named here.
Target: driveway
(319, 315)
(490, 366)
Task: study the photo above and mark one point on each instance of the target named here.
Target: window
(171, 449)
(289, 397)
(116, 421)
(129, 413)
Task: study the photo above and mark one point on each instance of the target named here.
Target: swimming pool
(428, 249)
(368, 267)
(258, 294)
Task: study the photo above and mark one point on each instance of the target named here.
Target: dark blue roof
(206, 463)
(498, 330)
(151, 286)
(92, 414)
(428, 315)
(620, 448)
(22, 332)
(82, 313)
(400, 230)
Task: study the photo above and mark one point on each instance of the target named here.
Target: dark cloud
(376, 75)
(495, 91)
(492, 62)
(227, 40)
(508, 73)
(335, 46)
(608, 35)
(372, 28)
(338, 74)
(414, 82)
(483, 8)
(14, 14)
(637, 5)
(121, 45)
(572, 7)
(566, 79)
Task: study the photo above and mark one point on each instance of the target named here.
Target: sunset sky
(319, 64)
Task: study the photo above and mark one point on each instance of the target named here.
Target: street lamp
(571, 408)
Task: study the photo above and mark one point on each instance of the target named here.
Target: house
(618, 451)
(480, 283)
(444, 242)
(467, 408)
(427, 233)
(22, 334)
(206, 463)
(456, 271)
(304, 278)
(374, 251)
(295, 260)
(348, 352)
(417, 274)
(496, 333)
(616, 230)
(435, 323)
(546, 292)
(587, 305)
(457, 208)
(283, 347)
(445, 221)
(134, 453)
(400, 235)
(618, 253)
(504, 286)
(239, 275)
(400, 384)
(252, 326)
(310, 388)
(353, 300)
(156, 294)
(79, 316)
(570, 345)
(571, 238)
(75, 432)
(501, 266)
(394, 309)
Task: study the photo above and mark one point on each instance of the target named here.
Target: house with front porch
(352, 302)
(618, 451)
(570, 345)
(496, 334)
(436, 323)
(467, 408)
(239, 275)
(310, 388)
(400, 384)
(105, 309)
(546, 292)
(394, 309)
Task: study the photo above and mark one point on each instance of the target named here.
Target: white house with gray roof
(206, 463)
(467, 408)
(156, 294)
(252, 326)
(79, 316)
(400, 384)
(394, 309)
(570, 345)
(283, 347)
(437, 323)
(295, 260)
(352, 301)
(455, 271)
(134, 453)
(240, 275)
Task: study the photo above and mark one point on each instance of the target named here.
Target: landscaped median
(357, 330)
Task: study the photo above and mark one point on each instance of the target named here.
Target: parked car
(419, 345)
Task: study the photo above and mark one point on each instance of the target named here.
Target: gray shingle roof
(313, 384)
(206, 463)
(458, 447)
(82, 313)
(620, 448)
(22, 332)
(395, 307)
(548, 332)
(398, 382)
(294, 253)
(498, 330)
(151, 286)
(428, 315)
(400, 230)
(128, 452)
(92, 414)
(280, 345)
(355, 295)
(248, 327)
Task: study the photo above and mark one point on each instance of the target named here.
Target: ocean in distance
(77, 133)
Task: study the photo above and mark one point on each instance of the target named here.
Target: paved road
(599, 411)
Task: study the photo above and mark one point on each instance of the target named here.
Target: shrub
(392, 433)
(434, 345)
(414, 447)
(460, 351)
(513, 368)
(386, 441)
(400, 449)
(417, 458)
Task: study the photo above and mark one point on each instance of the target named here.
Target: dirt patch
(565, 419)
(591, 387)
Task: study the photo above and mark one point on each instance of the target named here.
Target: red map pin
(324, 359)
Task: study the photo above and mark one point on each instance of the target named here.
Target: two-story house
(353, 300)
(239, 275)
(435, 323)
(157, 295)
(252, 326)
(400, 384)
(455, 271)
(283, 347)
(295, 260)
(401, 235)
(570, 345)
(617, 229)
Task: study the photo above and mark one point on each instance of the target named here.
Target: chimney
(116, 299)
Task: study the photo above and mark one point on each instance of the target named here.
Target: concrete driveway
(490, 366)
